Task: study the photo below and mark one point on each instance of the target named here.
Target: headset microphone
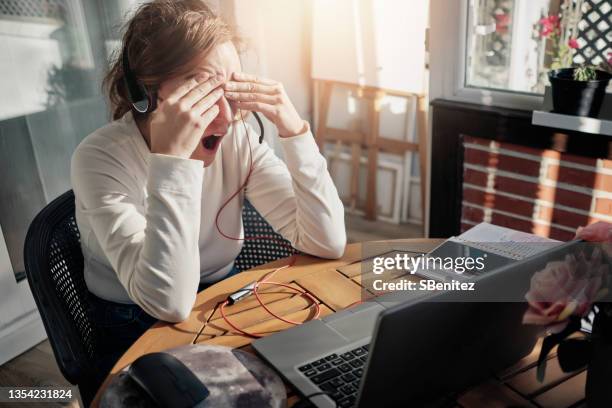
(261, 127)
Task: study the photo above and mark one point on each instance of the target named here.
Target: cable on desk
(255, 291)
(253, 288)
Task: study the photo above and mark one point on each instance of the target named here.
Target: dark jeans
(120, 325)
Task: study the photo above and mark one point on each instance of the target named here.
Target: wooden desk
(335, 290)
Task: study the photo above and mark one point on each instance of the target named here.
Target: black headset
(137, 93)
(142, 102)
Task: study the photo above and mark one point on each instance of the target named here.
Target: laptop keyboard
(338, 374)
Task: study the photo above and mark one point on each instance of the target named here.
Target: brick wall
(544, 192)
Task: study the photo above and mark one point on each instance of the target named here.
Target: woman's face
(224, 60)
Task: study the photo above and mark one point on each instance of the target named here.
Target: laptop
(401, 350)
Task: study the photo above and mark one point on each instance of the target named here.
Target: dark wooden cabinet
(451, 121)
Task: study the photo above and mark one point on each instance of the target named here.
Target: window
(55, 53)
(509, 48)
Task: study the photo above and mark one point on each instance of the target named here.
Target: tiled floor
(37, 366)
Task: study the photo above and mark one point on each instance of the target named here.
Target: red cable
(264, 280)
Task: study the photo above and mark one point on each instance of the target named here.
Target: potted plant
(579, 90)
(576, 90)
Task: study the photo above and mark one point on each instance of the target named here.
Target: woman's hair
(161, 39)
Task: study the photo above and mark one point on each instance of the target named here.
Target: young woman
(149, 186)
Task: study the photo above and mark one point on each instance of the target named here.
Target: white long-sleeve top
(147, 221)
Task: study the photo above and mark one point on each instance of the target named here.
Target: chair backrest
(54, 267)
(261, 243)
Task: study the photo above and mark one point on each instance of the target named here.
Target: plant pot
(580, 98)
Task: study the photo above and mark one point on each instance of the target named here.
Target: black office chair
(269, 247)
(54, 267)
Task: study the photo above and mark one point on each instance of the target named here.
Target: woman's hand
(268, 97)
(597, 232)
(179, 122)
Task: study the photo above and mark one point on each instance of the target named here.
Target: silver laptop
(400, 350)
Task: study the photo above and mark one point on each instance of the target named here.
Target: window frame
(448, 41)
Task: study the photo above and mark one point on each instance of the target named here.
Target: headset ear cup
(140, 99)
(137, 92)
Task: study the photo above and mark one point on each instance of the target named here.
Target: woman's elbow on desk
(336, 247)
(175, 314)
(330, 241)
(335, 237)
(170, 302)
(330, 247)
(172, 310)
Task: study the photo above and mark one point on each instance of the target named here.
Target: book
(504, 241)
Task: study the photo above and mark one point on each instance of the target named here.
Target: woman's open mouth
(211, 142)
